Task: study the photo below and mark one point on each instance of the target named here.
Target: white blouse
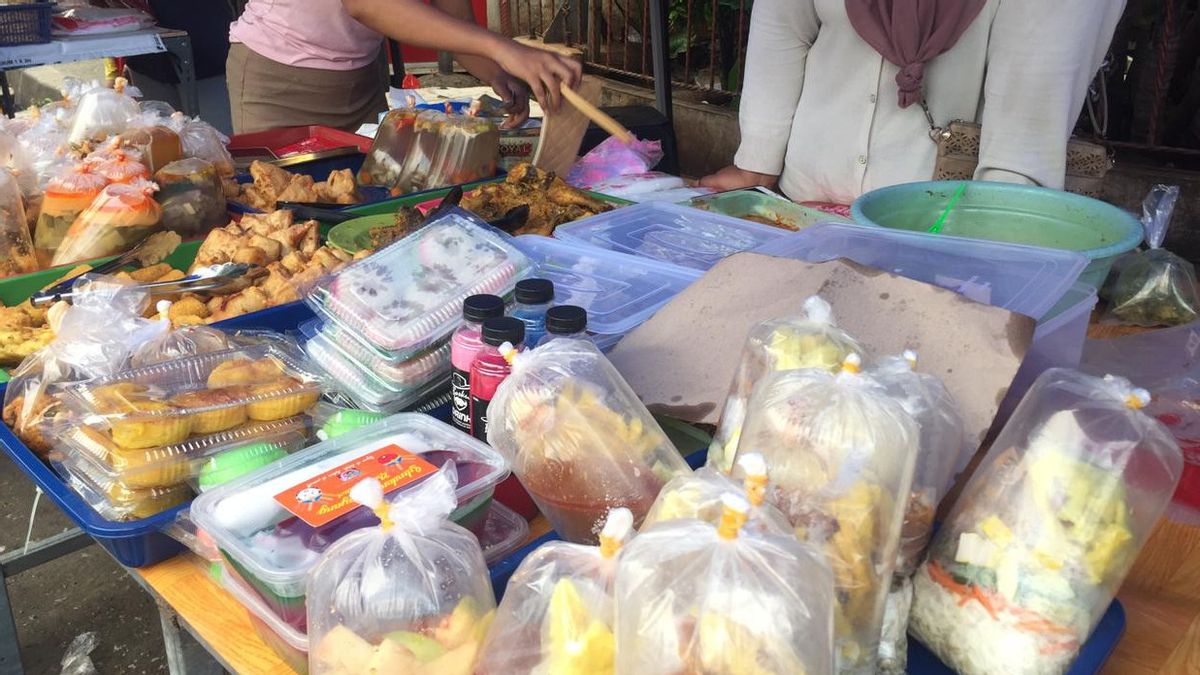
(819, 107)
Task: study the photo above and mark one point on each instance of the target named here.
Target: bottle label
(460, 399)
(479, 418)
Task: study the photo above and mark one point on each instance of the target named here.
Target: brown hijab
(910, 33)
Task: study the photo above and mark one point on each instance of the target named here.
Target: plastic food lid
(503, 531)
(535, 291)
(619, 291)
(503, 329)
(479, 308)
(392, 376)
(566, 319)
(364, 389)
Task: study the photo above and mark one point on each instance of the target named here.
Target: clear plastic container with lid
(469, 151)
(166, 403)
(169, 465)
(366, 390)
(288, 642)
(273, 548)
(409, 296)
(670, 233)
(116, 501)
(618, 291)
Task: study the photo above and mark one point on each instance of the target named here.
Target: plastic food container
(618, 291)
(166, 403)
(407, 297)
(670, 233)
(167, 466)
(765, 208)
(502, 532)
(273, 548)
(1025, 279)
(416, 371)
(117, 502)
(1018, 214)
(364, 388)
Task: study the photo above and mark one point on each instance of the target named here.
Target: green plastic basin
(1018, 214)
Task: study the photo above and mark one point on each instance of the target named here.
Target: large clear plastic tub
(763, 207)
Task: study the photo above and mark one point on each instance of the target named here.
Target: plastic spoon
(937, 227)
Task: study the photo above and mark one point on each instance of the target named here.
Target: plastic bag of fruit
(409, 596)
(842, 452)
(806, 341)
(1156, 287)
(698, 598)
(578, 438)
(557, 613)
(1043, 535)
(698, 496)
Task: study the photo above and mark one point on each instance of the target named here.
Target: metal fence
(705, 39)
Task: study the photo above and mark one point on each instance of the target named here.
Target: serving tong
(211, 278)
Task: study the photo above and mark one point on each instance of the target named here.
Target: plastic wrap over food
(409, 596)
(694, 598)
(1043, 535)
(119, 218)
(806, 341)
(578, 438)
(842, 453)
(698, 496)
(16, 246)
(557, 613)
(1156, 287)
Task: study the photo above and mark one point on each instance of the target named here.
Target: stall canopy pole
(660, 44)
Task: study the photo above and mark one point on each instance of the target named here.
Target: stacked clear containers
(272, 548)
(134, 442)
(388, 318)
(425, 150)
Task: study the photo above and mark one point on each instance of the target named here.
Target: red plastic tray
(287, 141)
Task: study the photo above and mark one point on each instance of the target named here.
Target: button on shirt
(820, 106)
(306, 33)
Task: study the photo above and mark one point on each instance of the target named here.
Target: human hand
(543, 71)
(734, 178)
(515, 96)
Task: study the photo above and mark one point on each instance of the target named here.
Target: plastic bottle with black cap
(533, 298)
(464, 345)
(565, 321)
(491, 367)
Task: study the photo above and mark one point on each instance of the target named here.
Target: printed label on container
(460, 399)
(324, 498)
(479, 417)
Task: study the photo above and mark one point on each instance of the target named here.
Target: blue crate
(25, 24)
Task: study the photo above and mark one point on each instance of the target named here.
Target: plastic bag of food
(1156, 287)
(1046, 530)
(118, 165)
(410, 596)
(698, 496)
(842, 453)
(157, 144)
(15, 158)
(578, 438)
(811, 340)
(117, 219)
(189, 191)
(385, 161)
(67, 195)
(557, 612)
(200, 139)
(103, 112)
(698, 598)
(16, 246)
(942, 452)
(613, 158)
(179, 343)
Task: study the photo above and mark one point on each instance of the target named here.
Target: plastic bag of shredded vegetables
(410, 596)
(557, 613)
(694, 598)
(578, 438)
(118, 219)
(807, 341)
(942, 451)
(842, 454)
(1043, 535)
(1156, 287)
(698, 495)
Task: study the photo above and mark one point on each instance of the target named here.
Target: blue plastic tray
(320, 170)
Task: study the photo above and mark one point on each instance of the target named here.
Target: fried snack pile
(551, 200)
(289, 252)
(273, 184)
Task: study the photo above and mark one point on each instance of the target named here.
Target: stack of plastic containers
(423, 150)
(670, 233)
(271, 526)
(137, 443)
(387, 319)
(618, 291)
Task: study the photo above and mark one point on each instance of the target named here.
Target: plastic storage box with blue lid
(670, 233)
(618, 291)
(1025, 279)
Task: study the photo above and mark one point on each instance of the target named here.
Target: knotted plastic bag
(103, 112)
(189, 191)
(1156, 287)
(1043, 535)
(842, 453)
(410, 596)
(807, 341)
(698, 496)
(178, 343)
(118, 219)
(557, 613)
(118, 165)
(697, 598)
(67, 195)
(613, 158)
(578, 438)
(201, 139)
